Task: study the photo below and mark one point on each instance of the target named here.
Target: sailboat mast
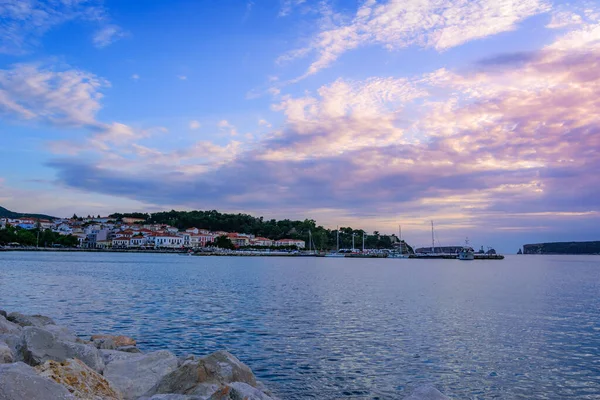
(338, 239)
(363, 242)
(432, 239)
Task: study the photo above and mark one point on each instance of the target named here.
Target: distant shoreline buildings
(104, 233)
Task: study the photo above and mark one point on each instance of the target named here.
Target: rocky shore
(41, 360)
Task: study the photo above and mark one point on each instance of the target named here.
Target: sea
(526, 327)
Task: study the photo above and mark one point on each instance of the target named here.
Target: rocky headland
(41, 360)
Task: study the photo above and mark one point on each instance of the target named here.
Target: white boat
(401, 254)
(466, 253)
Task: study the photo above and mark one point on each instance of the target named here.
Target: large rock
(218, 368)
(136, 376)
(111, 342)
(61, 333)
(3, 313)
(11, 340)
(30, 320)
(6, 354)
(79, 379)
(109, 356)
(239, 391)
(427, 392)
(172, 397)
(19, 381)
(39, 345)
(7, 327)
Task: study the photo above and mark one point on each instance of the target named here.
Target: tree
(74, 216)
(223, 242)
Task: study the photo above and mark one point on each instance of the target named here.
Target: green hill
(4, 213)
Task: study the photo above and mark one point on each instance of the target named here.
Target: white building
(290, 242)
(170, 241)
(201, 240)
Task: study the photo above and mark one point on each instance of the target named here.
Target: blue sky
(480, 115)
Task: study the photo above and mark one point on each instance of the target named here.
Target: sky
(481, 115)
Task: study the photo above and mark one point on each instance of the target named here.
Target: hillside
(4, 213)
(270, 228)
(563, 248)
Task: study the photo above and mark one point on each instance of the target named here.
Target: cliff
(563, 248)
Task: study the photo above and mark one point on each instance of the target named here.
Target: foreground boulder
(19, 381)
(6, 354)
(30, 320)
(109, 356)
(111, 342)
(79, 379)
(38, 345)
(197, 376)
(135, 376)
(61, 333)
(7, 327)
(239, 391)
(427, 392)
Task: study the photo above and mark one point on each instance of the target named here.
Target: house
(201, 240)
(169, 241)
(194, 231)
(290, 242)
(238, 240)
(261, 241)
(121, 242)
(137, 240)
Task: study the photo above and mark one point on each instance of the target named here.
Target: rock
(30, 320)
(134, 377)
(129, 349)
(239, 391)
(204, 390)
(3, 313)
(61, 333)
(6, 354)
(19, 381)
(8, 327)
(38, 345)
(116, 341)
(109, 356)
(172, 396)
(79, 379)
(218, 368)
(427, 392)
(11, 340)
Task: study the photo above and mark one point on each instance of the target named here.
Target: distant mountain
(563, 248)
(4, 213)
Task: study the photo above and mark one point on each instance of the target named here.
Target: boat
(338, 252)
(401, 254)
(466, 253)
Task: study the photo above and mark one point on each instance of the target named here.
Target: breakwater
(40, 360)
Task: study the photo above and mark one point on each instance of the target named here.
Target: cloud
(194, 125)
(264, 122)
(182, 77)
(135, 77)
(398, 24)
(25, 22)
(108, 35)
(61, 97)
(225, 125)
(288, 5)
(492, 146)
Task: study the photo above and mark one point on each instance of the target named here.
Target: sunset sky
(482, 115)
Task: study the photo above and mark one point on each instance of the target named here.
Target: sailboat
(401, 254)
(337, 253)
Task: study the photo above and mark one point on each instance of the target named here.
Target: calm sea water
(527, 327)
